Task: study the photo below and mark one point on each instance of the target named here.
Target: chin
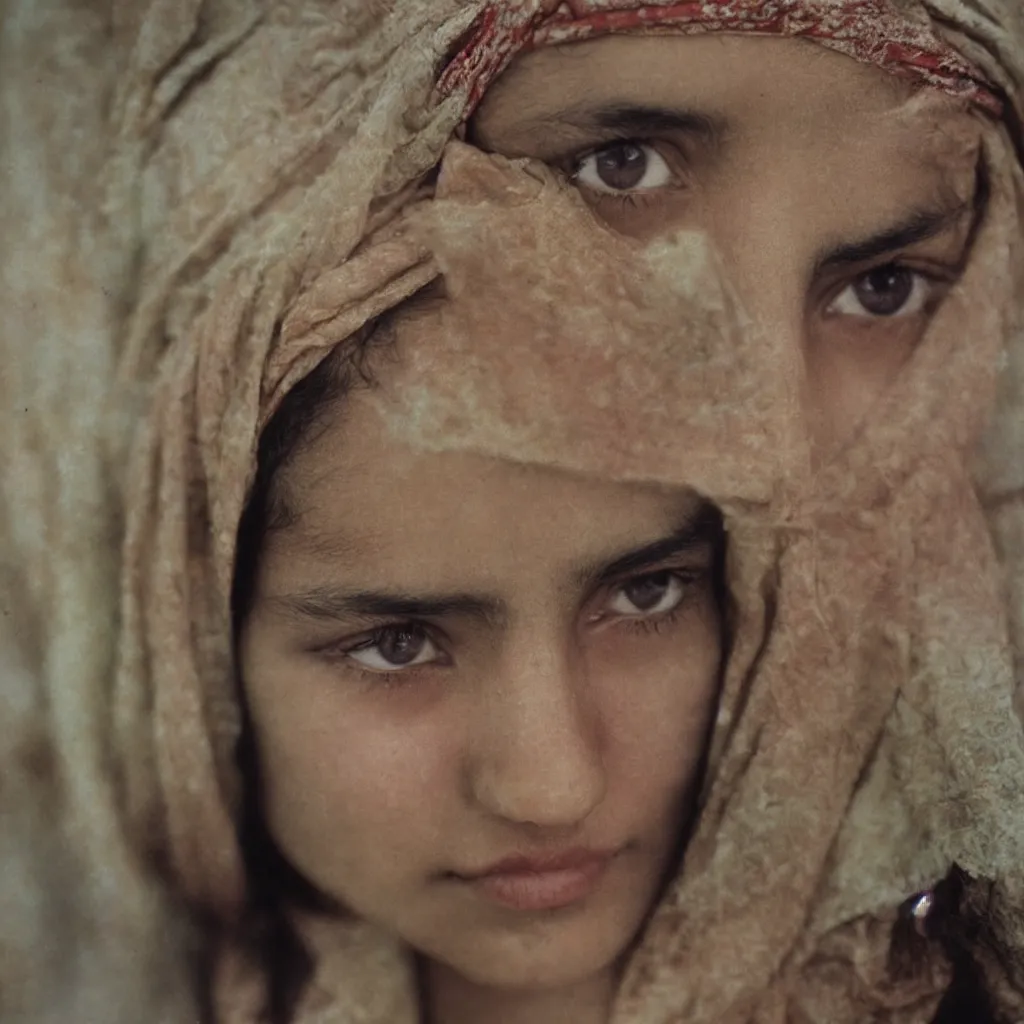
(542, 954)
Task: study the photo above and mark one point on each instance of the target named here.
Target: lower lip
(544, 890)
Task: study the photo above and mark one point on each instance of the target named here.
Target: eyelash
(338, 653)
(640, 624)
(623, 202)
(627, 200)
(646, 626)
(571, 165)
(935, 278)
(387, 680)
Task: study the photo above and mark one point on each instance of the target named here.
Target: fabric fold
(267, 181)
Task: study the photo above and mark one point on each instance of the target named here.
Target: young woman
(561, 578)
(481, 726)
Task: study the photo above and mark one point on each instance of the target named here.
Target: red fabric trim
(872, 31)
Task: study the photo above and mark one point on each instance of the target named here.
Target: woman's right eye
(393, 648)
(623, 167)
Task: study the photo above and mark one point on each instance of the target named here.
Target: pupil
(885, 291)
(400, 646)
(647, 591)
(623, 166)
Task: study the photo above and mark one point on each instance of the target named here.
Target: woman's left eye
(623, 167)
(644, 596)
(890, 291)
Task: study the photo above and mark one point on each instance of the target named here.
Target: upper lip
(539, 863)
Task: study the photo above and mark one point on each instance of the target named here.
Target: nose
(537, 751)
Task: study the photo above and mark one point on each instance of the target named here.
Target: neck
(451, 999)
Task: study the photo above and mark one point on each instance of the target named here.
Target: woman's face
(841, 205)
(453, 660)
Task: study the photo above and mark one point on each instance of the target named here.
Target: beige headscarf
(207, 198)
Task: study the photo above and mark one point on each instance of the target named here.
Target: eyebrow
(700, 530)
(331, 602)
(640, 119)
(630, 120)
(919, 226)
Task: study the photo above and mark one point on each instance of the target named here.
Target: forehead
(712, 68)
(384, 503)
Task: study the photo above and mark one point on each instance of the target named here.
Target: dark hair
(273, 883)
(294, 424)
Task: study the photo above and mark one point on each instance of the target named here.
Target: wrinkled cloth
(899, 38)
(255, 189)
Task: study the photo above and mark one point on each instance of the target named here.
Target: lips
(541, 882)
(540, 864)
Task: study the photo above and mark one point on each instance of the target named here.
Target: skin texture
(797, 153)
(559, 715)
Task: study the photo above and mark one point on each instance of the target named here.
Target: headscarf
(899, 38)
(247, 210)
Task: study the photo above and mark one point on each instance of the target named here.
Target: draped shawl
(200, 200)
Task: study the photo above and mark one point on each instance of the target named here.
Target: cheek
(848, 369)
(658, 693)
(350, 794)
